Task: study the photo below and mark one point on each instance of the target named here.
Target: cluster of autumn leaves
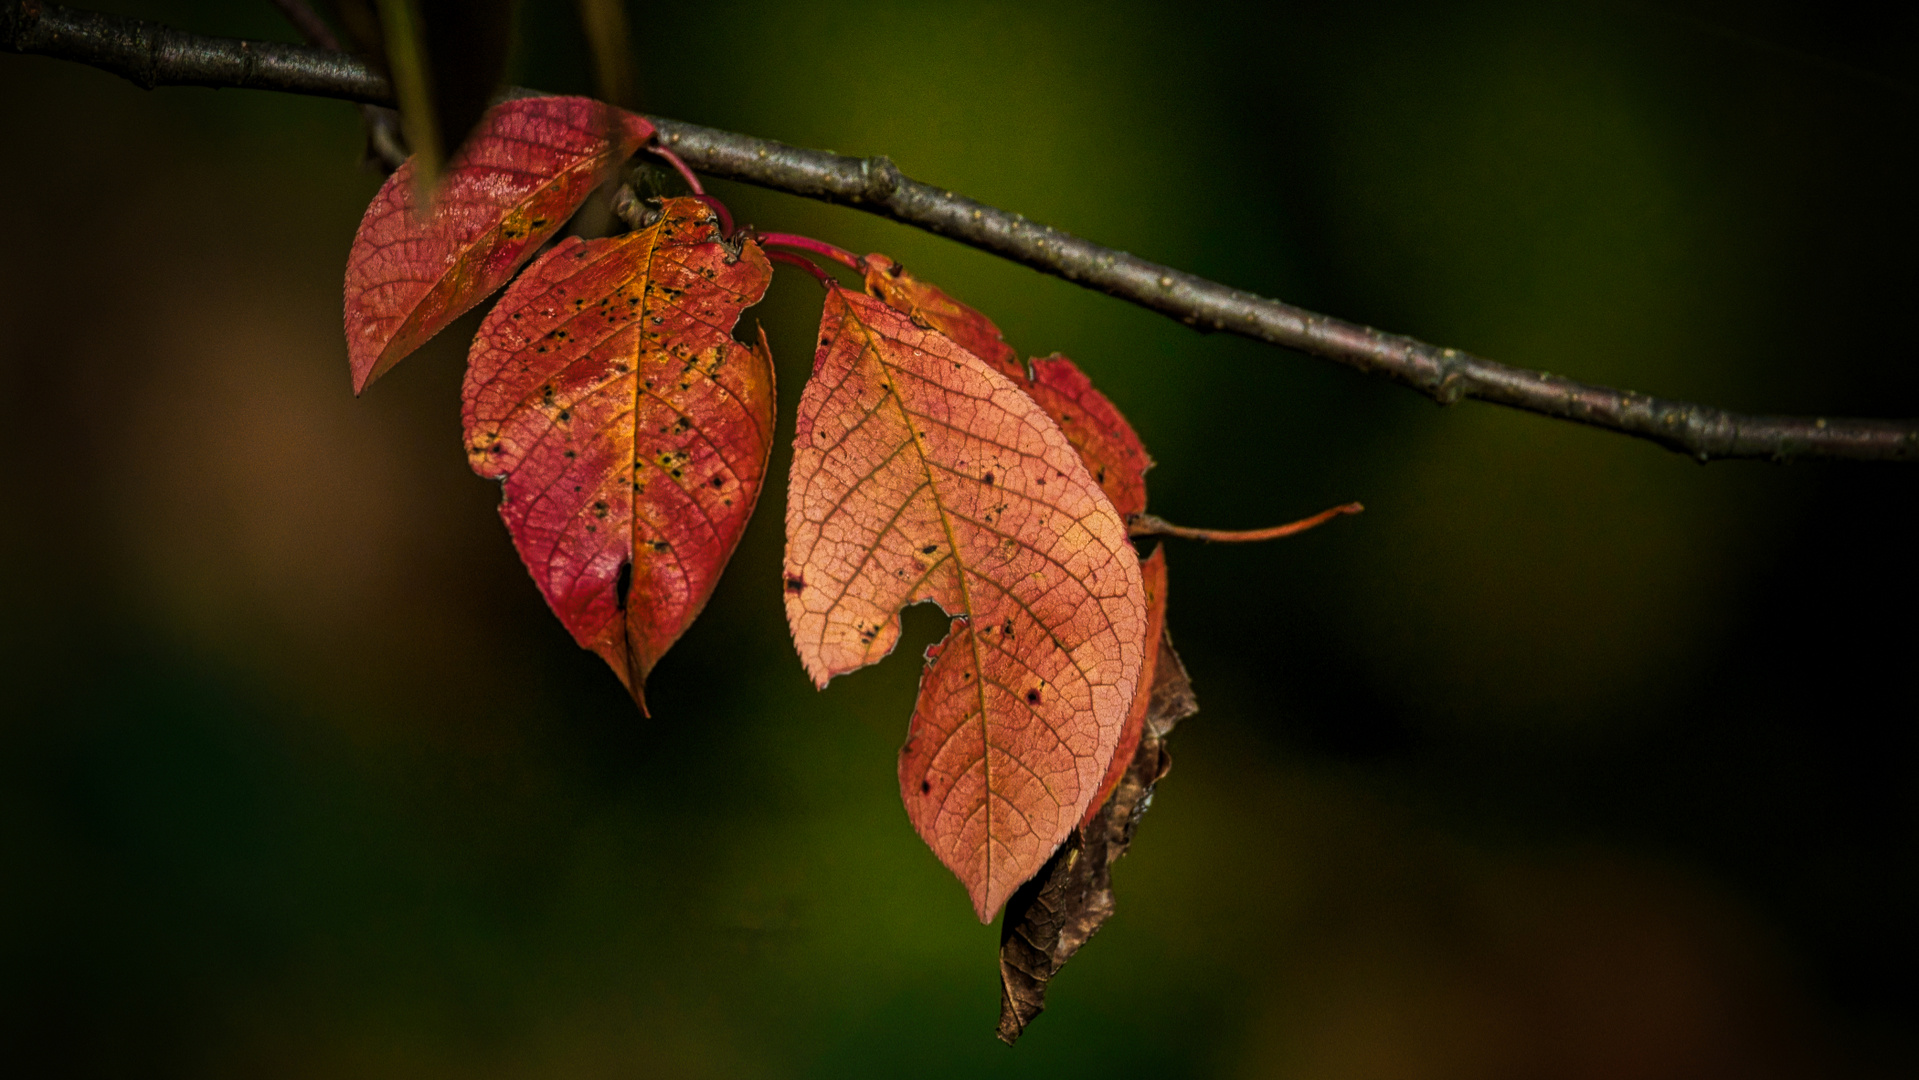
(631, 431)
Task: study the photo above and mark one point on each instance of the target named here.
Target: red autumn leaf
(1152, 572)
(1097, 429)
(632, 431)
(529, 165)
(922, 473)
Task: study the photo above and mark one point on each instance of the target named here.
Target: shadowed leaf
(403, 45)
(1055, 913)
(531, 165)
(631, 429)
(447, 59)
(922, 473)
(611, 46)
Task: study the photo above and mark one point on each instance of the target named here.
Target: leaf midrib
(960, 570)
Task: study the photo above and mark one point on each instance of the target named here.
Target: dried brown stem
(1148, 525)
(153, 55)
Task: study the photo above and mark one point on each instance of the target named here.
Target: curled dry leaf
(920, 472)
(630, 428)
(1055, 913)
(528, 166)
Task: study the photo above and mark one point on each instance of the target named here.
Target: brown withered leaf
(1051, 916)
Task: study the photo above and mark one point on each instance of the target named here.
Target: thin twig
(806, 243)
(1148, 525)
(679, 166)
(153, 55)
(149, 54)
(804, 263)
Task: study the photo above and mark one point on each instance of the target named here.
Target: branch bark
(153, 55)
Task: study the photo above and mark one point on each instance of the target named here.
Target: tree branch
(152, 55)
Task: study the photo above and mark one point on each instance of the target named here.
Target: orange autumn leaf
(1097, 430)
(630, 429)
(522, 174)
(920, 472)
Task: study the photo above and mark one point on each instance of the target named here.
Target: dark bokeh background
(1569, 758)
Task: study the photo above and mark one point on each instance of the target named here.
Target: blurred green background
(1568, 758)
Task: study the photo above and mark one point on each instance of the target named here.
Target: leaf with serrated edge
(527, 167)
(631, 429)
(922, 473)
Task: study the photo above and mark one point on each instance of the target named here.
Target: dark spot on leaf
(794, 584)
(987, 479)
(719, 481)
(925, 786)
(1032, 696)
